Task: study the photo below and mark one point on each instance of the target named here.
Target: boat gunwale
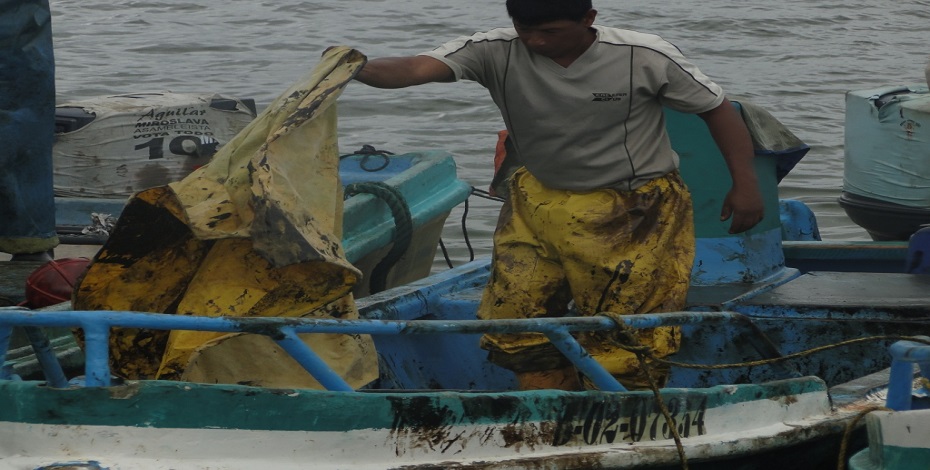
(97, 324)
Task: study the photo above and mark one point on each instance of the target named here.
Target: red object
(500, 153)
(53, 282)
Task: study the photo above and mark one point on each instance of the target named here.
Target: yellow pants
(608, 251)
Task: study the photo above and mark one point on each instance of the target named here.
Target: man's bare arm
(400, 72)
(744, 200)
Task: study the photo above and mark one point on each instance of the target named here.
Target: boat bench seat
(880, 291)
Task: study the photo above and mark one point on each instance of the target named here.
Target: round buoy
(53, 282)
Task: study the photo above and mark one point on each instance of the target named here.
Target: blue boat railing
(96, 326)
(904, 354)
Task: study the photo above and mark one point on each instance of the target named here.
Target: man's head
(557, 29)
(534, 12)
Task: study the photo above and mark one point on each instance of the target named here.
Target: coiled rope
(368, 151)
(400, 211)
(403, 228)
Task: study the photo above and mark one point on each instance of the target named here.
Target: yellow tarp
(257, 232)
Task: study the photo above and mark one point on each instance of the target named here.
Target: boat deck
(844, 290)
(836, 290)
(850, 290)
(814, 289)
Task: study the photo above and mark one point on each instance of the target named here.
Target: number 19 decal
(186, 145)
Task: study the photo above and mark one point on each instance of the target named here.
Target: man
(598, 214)
(27, 123)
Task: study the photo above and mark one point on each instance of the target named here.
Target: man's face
(557, 39)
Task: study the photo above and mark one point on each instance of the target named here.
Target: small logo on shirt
(608, 96)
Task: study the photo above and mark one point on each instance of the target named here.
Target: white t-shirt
(597, 123)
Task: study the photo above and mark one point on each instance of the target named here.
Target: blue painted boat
(438, 403)
(424, 413)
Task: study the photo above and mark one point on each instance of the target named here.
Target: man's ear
(588, 18)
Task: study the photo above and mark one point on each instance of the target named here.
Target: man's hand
(744, 205)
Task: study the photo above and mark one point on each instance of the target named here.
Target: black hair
(533, 12)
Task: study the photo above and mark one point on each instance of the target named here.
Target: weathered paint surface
(140, 421)
(474, 429)
(898, 440)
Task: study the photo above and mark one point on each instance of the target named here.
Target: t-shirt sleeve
(685, 88)
(465, 56)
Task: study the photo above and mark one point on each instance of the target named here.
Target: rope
(403, 221)
(445, 254)
(403, 228)
(471, 251)
(485, 195)
(369, 151)
(647, 370)
(807, 352)
(628, 341)
(847, 434)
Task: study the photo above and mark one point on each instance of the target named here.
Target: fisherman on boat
(27, 114)
(598, 213)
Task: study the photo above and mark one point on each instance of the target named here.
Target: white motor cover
(139, 141)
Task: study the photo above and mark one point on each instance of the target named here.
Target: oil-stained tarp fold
(256, 232)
